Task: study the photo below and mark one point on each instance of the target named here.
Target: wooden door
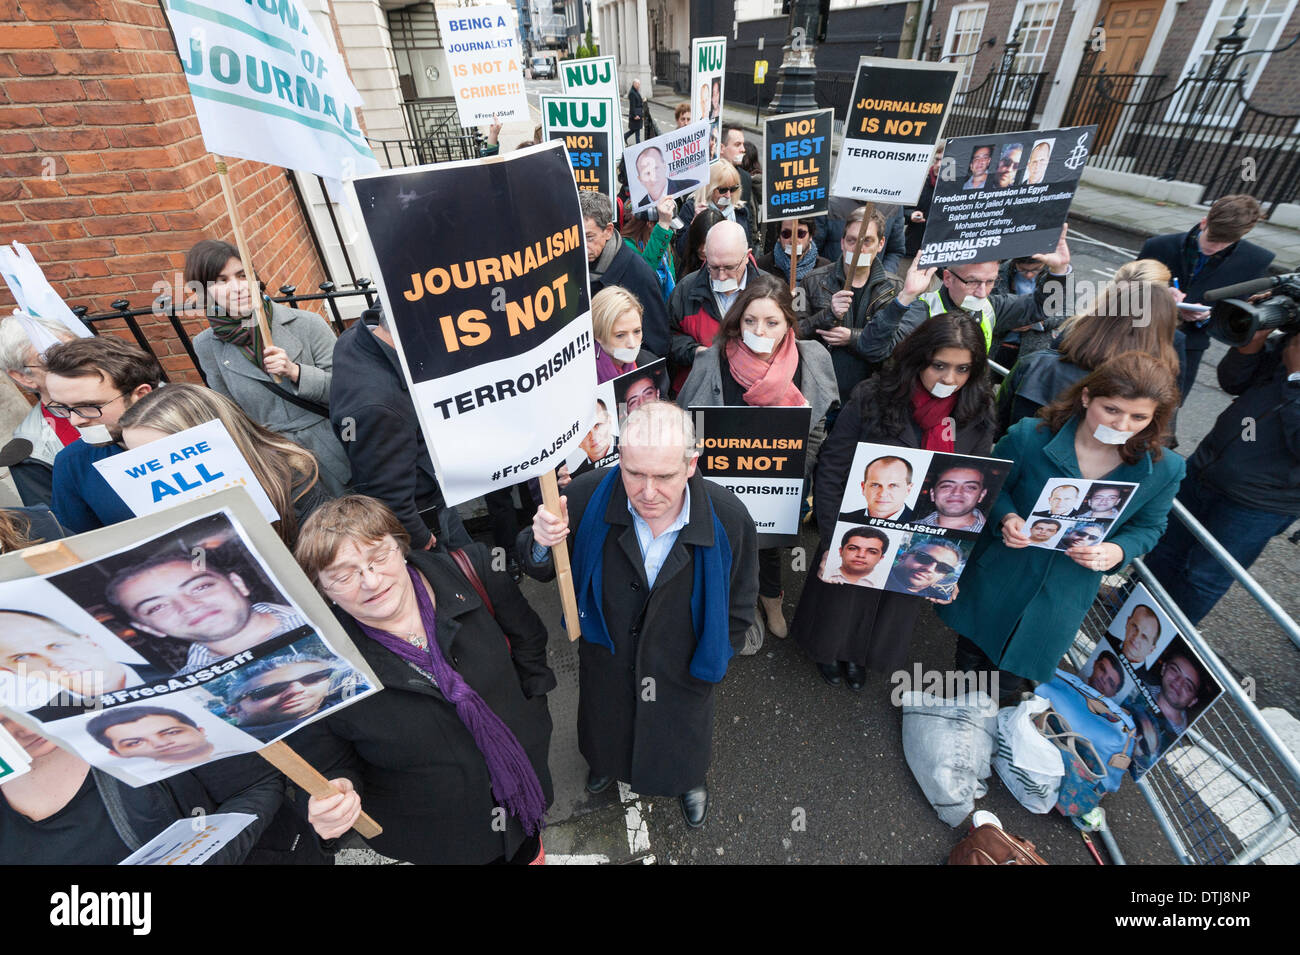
(1129, 26)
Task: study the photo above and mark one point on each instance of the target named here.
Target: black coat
(635, 109)
(840, 622)
(419, 772)
(373, 416)
(1239, 262)
(657, 736)
(630, 271)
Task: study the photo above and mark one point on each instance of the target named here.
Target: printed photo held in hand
(932, 505)
(667, 166)
(1077, 512)
(1010, 197)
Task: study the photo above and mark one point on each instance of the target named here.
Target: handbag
(990, 844)
(471, 574)
(1096, 738)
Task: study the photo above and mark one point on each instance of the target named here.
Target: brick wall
(103, 173)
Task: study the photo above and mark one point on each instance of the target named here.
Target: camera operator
(1212, 254)
(1243, 481)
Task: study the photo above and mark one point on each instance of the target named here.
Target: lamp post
(795, 89)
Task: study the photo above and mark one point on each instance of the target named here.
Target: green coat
(1023, 607)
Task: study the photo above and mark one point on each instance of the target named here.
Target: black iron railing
(177, 314)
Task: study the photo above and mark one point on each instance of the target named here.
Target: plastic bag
(1027, 764)
(948, 744)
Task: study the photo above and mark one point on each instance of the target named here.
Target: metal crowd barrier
(1228, 793)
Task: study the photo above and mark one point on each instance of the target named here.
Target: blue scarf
(807, 262)
(710, 592)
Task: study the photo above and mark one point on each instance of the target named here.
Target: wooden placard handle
(563, 574)
(57, 555)
(794, 249)
(228, 192)
(305, 776)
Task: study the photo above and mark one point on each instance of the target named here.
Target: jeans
(1193, 576)
(769, 571)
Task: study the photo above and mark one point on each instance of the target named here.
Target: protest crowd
(929, 482)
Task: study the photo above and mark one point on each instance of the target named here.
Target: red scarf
(767, 384)
(934, 416)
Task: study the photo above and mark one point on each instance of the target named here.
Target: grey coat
(308, 340)
(704, 386)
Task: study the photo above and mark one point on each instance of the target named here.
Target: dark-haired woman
(692, 258)
(1020, 606)
(938, 374)
(757, 360)
(237, 363)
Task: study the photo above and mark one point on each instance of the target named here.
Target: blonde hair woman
(287, 471)
(616, 324)
(722, 194)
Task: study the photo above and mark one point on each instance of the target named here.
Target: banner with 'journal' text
(267, 87)
(483, 272)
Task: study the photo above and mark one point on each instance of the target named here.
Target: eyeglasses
(347, 581)
(974, 283)
(272, 690)
(81, 411)
(717, 270)
(925, 560)
(785, 233)
(735, 188)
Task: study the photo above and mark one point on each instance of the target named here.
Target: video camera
(1234, 321)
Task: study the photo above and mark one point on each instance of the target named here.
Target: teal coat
(1023, 607)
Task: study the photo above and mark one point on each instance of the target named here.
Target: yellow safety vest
(988, 318)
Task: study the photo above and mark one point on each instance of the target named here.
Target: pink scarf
(767, 384)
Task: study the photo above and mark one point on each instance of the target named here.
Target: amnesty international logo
(1078, 155)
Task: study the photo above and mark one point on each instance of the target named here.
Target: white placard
(482, 47)
(182, 467)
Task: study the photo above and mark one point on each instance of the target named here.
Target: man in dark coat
(374, 417)
(614, 261)
(635, 112)
(666, 574)
(1210, 255)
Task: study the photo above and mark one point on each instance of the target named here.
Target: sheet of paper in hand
(896, 116)
(910, 518)
(483, 274)
(670, 165)
(1003, 195)
(191, 841)
(181, 467)
(1074, 511)
(172, 641)
(759, 455)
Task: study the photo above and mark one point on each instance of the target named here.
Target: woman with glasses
(451, 758)
(757, 360)
(286, 471)
(936, 395)
(1021, 606)
(238, 364)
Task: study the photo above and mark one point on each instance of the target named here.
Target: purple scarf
(514, 782)
(605, 367)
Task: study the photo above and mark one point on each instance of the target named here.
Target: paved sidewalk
(1119, 210)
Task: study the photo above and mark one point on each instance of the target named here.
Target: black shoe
(830, 673)
(597, 784)
(695, 806)
(855, 676)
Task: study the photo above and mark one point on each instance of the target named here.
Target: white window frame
(1203, 46)
(1015, 22)
(967, 63)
